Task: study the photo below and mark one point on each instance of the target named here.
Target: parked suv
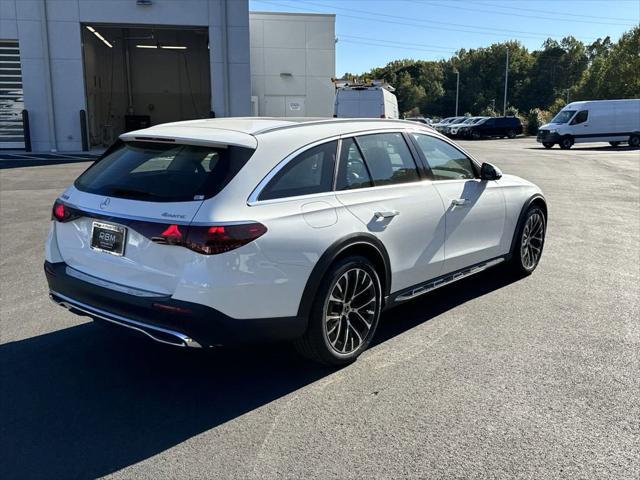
(212, 232)
(495, 127)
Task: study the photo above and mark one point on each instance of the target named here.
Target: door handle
(387, 214)
(458, 202)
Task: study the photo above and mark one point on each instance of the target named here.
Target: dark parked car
(495, 127)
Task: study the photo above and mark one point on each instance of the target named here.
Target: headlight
(553, 131)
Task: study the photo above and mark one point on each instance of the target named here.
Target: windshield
(459, 120)
(160, 172)
(470, 120)
(564, 116)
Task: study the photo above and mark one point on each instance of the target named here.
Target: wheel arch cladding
(362, 244)
(536, 200)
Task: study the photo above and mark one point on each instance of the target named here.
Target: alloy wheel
(532, 241)
(350, 310)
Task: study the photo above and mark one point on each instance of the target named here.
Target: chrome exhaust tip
(158, 334)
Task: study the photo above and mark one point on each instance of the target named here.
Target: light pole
(457, 90)
(506, 80)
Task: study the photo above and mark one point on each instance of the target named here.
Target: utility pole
(506, 81)
(457, 90)
(567, 96)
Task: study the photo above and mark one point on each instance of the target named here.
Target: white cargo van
(366, 101)
(613, 121)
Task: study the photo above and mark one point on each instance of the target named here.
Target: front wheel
(511, 134)
(475, 135)
(634, 141)
(565, 143)
(529, 242)
(547, 145)
(345, 314)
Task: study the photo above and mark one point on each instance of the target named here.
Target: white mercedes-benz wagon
(211, 232)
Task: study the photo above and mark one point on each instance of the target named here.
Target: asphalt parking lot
(487, 378)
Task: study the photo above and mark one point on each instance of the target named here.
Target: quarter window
(310, 172)
(388, 158)
(352, 172)
(446, 162)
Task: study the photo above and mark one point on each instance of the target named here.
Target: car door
(379, 183)
(474, 208)
(488, 127)
(582, 127)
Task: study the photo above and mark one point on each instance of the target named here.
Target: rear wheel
(511, 134)
(566, 142)
(529, 242)
(345, 314)
(634, 141)
(547, 144)
(614, 144)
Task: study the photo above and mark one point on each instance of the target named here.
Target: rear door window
(308, 173)
(388, 158)
(160, 172)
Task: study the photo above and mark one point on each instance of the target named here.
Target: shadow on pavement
(90, 400)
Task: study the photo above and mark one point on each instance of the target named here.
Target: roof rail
(337, 120)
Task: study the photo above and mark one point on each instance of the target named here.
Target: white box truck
(375, 100)
(613, 121)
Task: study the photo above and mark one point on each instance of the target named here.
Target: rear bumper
(161, 318)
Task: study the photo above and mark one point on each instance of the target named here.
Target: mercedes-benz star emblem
(105, 203)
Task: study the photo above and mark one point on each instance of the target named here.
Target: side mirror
(490, 172)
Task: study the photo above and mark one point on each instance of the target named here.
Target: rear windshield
(160, 172)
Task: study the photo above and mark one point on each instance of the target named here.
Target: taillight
(172, 235)
(62, 212)
(211, 240)
(222, 238)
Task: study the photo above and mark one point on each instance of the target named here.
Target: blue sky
(373, 32)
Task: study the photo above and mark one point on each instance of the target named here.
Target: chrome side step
(446, 280)
(158, 334)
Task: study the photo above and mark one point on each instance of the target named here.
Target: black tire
(475, 135)
(518, 263)
(315, 344)
(615, 144)
(565, 142)
(511, 134)
(547, 145)
(634, 141)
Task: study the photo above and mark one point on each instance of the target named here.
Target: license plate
(108, 238)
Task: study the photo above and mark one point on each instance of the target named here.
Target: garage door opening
(141, 76)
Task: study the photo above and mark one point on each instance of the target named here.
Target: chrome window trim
(409, 129)
(255, 194)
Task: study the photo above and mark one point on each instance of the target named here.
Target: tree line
(540, 82)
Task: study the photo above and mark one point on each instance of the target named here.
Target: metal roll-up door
(11, 96)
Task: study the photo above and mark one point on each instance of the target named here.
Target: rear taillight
(211, 240)
(63, 213)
